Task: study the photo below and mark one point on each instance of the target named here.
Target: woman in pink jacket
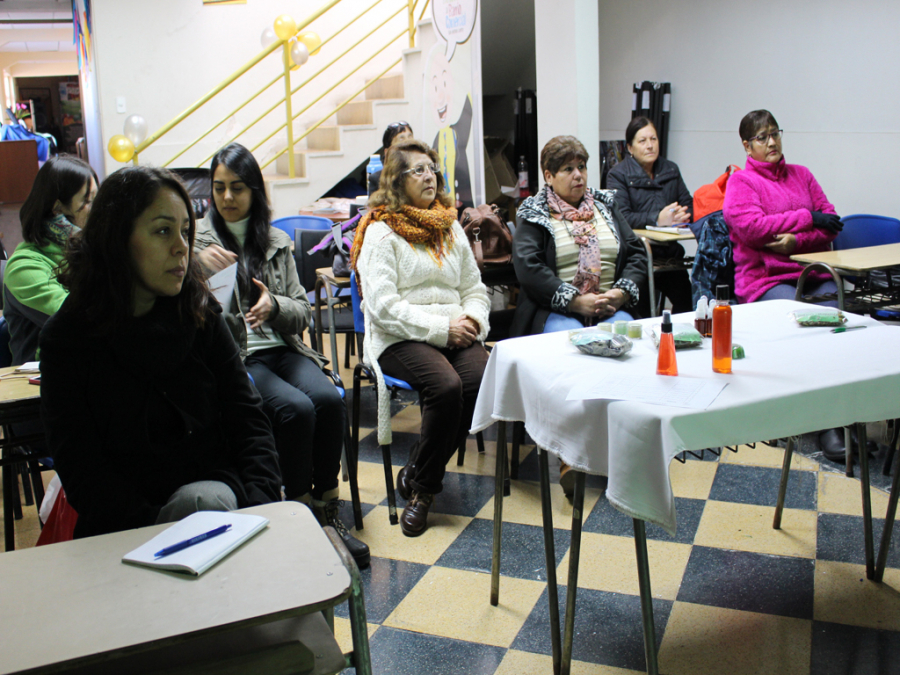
(774, 210)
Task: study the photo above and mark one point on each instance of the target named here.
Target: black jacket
(133, 417)
(640, 198)
(534, 258)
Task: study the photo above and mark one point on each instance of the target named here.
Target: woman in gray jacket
(268, 312)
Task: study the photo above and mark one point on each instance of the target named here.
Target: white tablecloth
(794, 380)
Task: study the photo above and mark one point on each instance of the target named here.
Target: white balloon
(268, 37)
(299, 53)
(136, 129)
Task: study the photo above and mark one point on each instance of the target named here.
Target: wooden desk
(20, 402)
(864, 298)
(75, 606)
(685, 263)
(663, 237)
(855, 259)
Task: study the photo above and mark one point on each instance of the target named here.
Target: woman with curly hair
(426, 314)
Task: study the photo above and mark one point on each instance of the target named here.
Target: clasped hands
(673, 214)
(600, 305)
(215, 259)
(463, 332)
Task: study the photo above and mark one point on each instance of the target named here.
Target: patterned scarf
(430, 227)
(587, 275)
(59, 228)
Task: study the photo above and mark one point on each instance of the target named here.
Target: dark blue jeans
(307, 416)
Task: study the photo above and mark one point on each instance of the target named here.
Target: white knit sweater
(408, 296)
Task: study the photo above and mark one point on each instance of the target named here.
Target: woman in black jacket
(575, 255)
(149, 412)
(650, 191)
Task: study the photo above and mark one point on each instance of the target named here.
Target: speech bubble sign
(454, 20)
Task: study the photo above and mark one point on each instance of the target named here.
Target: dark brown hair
(559, 150)
(635, 126)
(60, 179)
(754, 122)
(98, 270)
(392, 193)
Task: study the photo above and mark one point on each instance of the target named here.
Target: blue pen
(181, 545)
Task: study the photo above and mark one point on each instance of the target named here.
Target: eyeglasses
(399, 125)
(422, 168)
(762, 139)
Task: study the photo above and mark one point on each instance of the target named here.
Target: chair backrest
(5, 353)
(305, 239)
(862, 229)
(359, 320)
(291, 223)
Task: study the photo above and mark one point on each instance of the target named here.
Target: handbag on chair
(489, 237)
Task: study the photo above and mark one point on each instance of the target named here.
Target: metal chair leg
(479, 439)
(8, 498)
(499, 473)
(461, 452)
(351, 464)
(848, 453)
(518, 435)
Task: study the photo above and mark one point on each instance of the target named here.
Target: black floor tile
(400, 652)
(750, 582)
(850, 650)
(606, 519)
(759, 485)
(522, 550)
(608, 628)
(401, 445)
(385, 583)
(347, 506)
(841, 538)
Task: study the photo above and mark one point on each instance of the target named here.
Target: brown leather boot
(414, 520)
(567, 479)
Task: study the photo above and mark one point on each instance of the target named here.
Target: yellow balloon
(312, 42)
(285, 27)
(121, 148)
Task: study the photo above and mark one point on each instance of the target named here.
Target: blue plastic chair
(862, 230)
(290, 223)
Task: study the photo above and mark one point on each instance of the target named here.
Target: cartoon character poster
(452, 81)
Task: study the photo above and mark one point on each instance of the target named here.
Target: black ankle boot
(831, 443)
(329, 513)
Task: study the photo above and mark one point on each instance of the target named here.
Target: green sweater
(32, 294)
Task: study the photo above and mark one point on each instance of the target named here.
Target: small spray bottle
(700, 315)
(665, 360)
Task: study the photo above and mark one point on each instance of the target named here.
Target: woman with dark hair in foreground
(149, 412)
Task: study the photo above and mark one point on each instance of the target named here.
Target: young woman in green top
(56, 208)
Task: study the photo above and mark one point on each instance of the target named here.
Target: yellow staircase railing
(297, 44)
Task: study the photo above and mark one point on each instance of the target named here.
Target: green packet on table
(819, 317)
(596, 342)
(686, 336)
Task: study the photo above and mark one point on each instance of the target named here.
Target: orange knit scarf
(430, 227)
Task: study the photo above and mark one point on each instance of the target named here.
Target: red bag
(489, 237)
(710, 198)
(60, 525)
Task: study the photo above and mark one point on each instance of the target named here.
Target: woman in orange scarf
(426, 314)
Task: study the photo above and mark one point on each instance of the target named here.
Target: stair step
(389, 86)
(324, 138)
(356, 112)
(282, 164)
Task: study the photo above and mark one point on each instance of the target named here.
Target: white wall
(162, 56)
(567, 64)
(826, 70)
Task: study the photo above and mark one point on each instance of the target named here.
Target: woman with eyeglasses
(774, 210)
(426, 314)
(395, 133)
(650, 191)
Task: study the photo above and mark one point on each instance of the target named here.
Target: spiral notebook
(200, 557)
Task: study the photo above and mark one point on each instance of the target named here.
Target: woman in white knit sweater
(426, 315)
